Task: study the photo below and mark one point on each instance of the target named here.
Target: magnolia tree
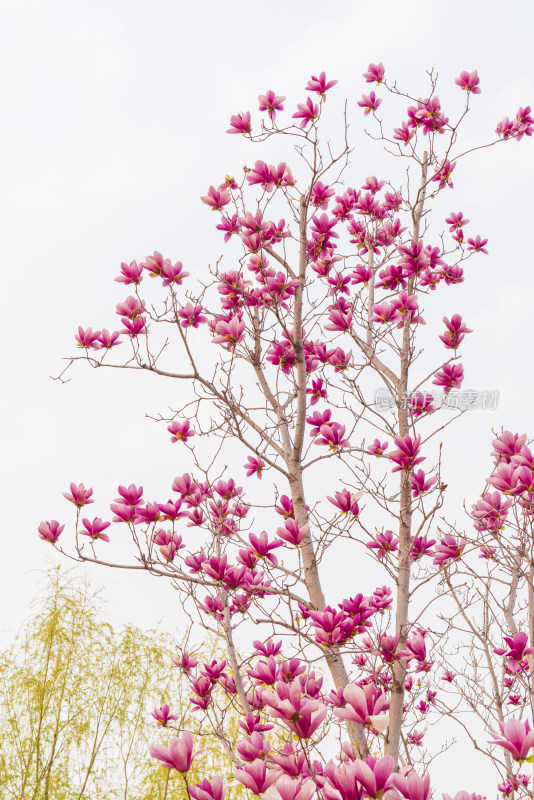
(304, 362)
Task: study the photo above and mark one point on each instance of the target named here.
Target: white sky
(114, 119)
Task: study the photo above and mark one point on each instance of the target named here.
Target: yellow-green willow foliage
(76, 696)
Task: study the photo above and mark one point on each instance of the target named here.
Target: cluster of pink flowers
(243, 567)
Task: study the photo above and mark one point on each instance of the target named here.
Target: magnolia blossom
(50, 531)
(375, 73)
(181, 431)
(254, 466)
(179, 755)
(450, 376)
(369, 102)
(319, 85)
(163, 716)
(79, 495)
(271, 103)
(229, 332)
(516, 737)
(95, 529)
(307, 112)
(301, 714)
(240, 123)
(468, 81)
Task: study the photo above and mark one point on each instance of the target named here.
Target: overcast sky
(114, 119)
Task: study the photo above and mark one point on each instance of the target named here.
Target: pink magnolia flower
(369, 102)
(428, 115)
(375, 775)
(361, 275)
(230, 332)
(131, 308)
(523, 124)
(375, 72)
(448, 549)
(332, 626)
(517, 650)
(291, 532)
(339, 321)
(421, 404)
(450, 376)
(341, 780)
(385, 312)
(316, 391)
(477, 245)
(505, 478)
(95, 529)
(107, 340)
(301, 714)
(307, 112)
(155, 264)
(50, 531)
(240, 123)
(345, 501)
(254, 747)
(255, 466)
(456, 221)
(373, 185)
(271, 103)
(289, 789)
(421, 546)
(262, 546)
(416, 649)
(186, 662)
(256, 777)
(163, 715)
(179, 755)
(468, 81)
(170, 543)
(407, 456)
(411, 786)
(79, 495)
(319, 85)
(87, 339)
(516, 737)
(317, 419)
(202, 685)
(416, 738)
(173, 274)
(456, 330)
(384, 543)
(407, 307)
(490, 512)
(133, 327)
(443, 174)
(131, 495)
(507, 446)
(364, 704)
(321, 194)
(181, 431)
(332, 436)
(378, 448)
(403, 134)
(250, 723)
(261, 175)
(130, 273)
(285, 509)
(420, 483)
(216, 198)
(229, 225)
(512, 783)
(191, 316)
